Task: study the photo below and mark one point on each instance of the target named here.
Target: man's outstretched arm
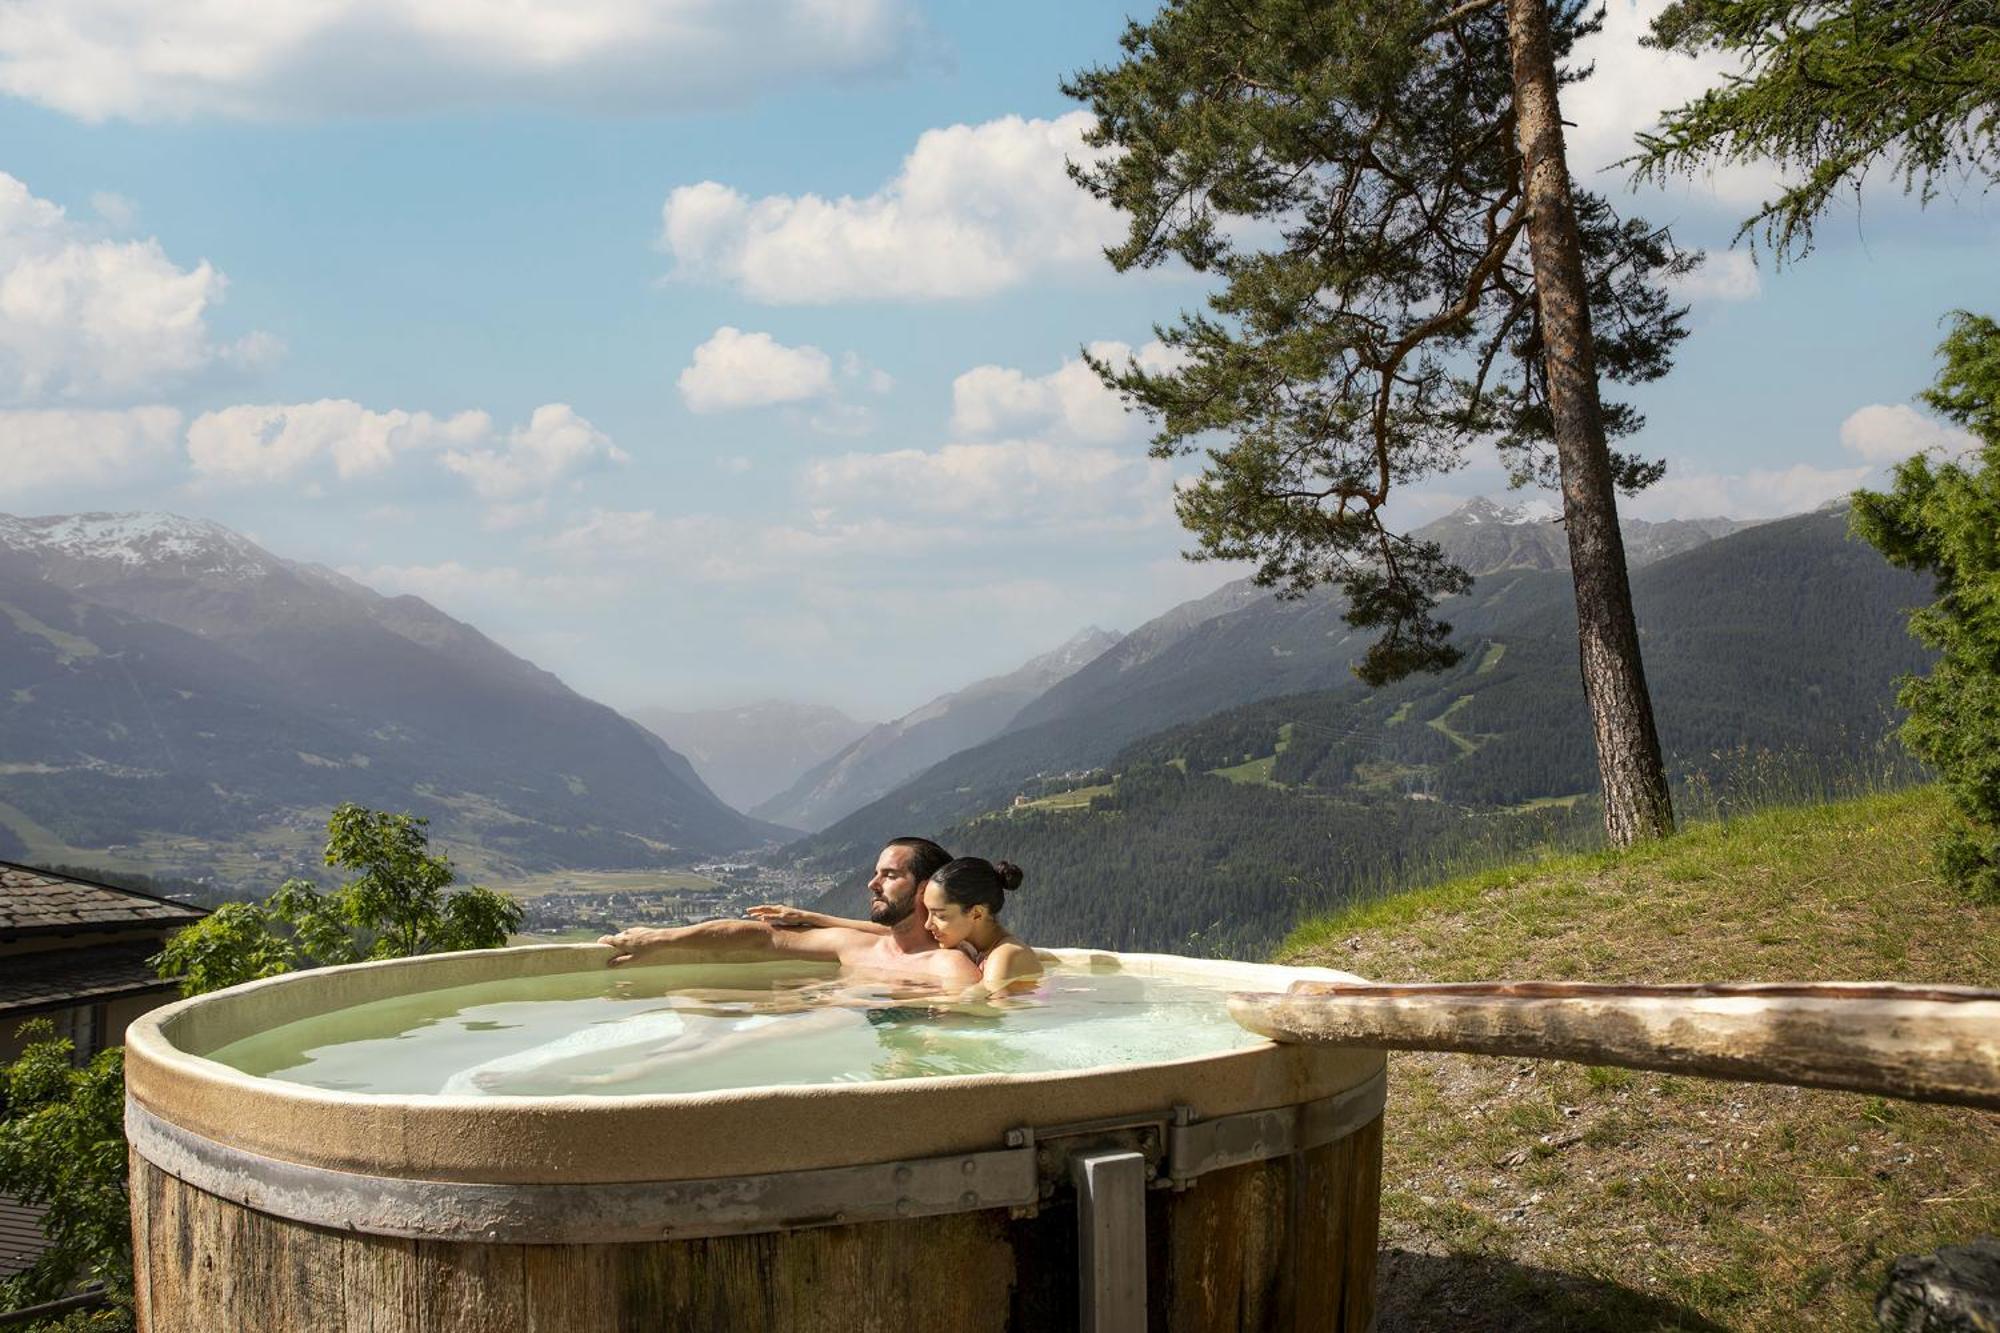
(724, 941)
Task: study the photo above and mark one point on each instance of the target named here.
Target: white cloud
(1632, 85)
(285, 59)
(116, 210)
(86, 318)
(852, 367)
(1000, 485)
(1070, 400)
(453, 586)
(696, 547)
(1724, 275)
(844, 419)
(556, 444)
(975, 209)
(734, 369)
(1883, 433)
(275, 442)
(41, 449)
(1758, 493)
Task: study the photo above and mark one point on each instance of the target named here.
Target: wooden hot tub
(1229, 1191)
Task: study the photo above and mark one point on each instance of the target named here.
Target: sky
(707, 352)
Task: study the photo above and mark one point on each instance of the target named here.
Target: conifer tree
(1380, 189)
(1831, 90)
(1942, 516)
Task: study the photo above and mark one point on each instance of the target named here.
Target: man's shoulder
(951, 962)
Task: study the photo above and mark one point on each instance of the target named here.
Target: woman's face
(948, 923)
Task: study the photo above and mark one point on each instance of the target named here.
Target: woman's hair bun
(1010, 874)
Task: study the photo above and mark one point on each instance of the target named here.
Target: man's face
(892, 894)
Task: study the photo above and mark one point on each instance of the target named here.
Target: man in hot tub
(895, 900)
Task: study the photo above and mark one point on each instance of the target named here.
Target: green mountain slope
(1216, 833)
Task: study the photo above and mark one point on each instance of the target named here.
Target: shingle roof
(76, 976)
(35, 902)
(20, 1236)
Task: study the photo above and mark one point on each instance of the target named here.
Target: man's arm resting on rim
(725, 942)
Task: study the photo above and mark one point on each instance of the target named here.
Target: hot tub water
(684, 1029)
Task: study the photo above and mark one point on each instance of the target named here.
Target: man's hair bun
(1010, 874)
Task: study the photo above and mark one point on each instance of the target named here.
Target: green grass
(1259, 772)
(1442, 725)
(1255, 772)
(1553, 802)
(69, 647)
(1610, 1199)
(1076, 798)
(1494, 652)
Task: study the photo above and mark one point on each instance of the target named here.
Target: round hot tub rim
(738, 1132)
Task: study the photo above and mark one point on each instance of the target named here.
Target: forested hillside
(1213, 835)
(1233, 647)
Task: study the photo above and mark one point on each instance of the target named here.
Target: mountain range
(1238, 644)
(176, 695)
(887, 755)
(170, 687)
(748, 755)
(1784, 635)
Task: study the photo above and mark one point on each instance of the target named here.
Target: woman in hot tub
(962, 903)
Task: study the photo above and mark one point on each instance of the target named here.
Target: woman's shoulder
(1013, 956)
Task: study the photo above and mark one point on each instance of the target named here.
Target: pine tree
(1404, 270)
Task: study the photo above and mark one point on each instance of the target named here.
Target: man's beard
(884, 912)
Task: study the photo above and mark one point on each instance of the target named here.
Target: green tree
(1404, 269)
(61, 1147)
(62, 1139)
(1831, 89)
(1943, 517)
(399, 904)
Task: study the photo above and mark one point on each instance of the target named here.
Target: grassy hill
(1523, 1194)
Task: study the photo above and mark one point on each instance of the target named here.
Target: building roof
(20, 1236)
(38, 902)
(60, 977)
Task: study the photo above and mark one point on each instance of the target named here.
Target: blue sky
(702, 354)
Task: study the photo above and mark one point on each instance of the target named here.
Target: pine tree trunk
(1636, 801)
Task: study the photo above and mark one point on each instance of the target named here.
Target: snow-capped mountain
(1485, 536)
(165, 678)
(78, 546)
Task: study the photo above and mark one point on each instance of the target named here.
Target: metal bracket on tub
(1195, 1147)
(1178, 1147)
(1057, 1148)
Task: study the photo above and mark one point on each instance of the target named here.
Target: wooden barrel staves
(1919, 1043)
(1231, 1190)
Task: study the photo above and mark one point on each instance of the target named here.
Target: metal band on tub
(1035, 1163)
